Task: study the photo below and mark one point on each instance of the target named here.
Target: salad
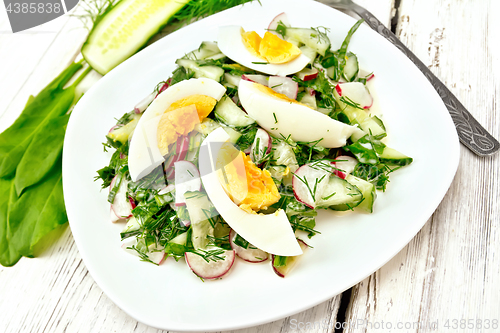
(236, 152)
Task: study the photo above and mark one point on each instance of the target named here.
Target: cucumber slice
(212, 72)
(351, 67)
(201, 212)
(230, 114)
(206, 49)
(208, 125)
(125, 29)
(393, 157)
(373, 125)
(339, 194)
(309, 52)
(309, 37)
(367, 190)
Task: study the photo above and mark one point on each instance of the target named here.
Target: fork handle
(470, 132)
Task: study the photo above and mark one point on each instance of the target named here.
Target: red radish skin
(113, 216)
(284, 85)
(181, 150)
(291, 261)
(164, 87)
(144, 103)
(167, 189)
(265, 141)
(114, 128)
(213, 269)
(344, 165)
(274, 23)
(248, 255)
(356, 92)
(158, 257)
(308, 74)
(261, 79)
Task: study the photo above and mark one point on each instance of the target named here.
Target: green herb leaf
(29, 217)
(9, 256)
(50, 103)
(43, 152)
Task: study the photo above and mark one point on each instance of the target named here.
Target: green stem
(82, 76)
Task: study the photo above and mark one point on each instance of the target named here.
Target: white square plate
(349, 247)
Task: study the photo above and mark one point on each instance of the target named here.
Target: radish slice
(167, 189)
(356, 92)
(345, 164)
(257, 78)
(181, 150)
(143, 104)
(164, 87)
(158, 257)
(308, 74)
(213, 269)
(309, 182)
(284, 85)
(187, 178)
(291, 262)
(250, 254)
(113, 217)
(261, 146)
(126, 246)
(156, 254)
(365, 74)
(274, 23)
(121, 206)
(114, 128)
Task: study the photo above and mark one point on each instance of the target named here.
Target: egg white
(271, 233)
(283, 118)
(144, 154)
(231, 44)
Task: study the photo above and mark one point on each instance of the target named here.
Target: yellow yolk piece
(204, 104)
(251, 188)
(251, 40)
(277, 50)
(181, 117)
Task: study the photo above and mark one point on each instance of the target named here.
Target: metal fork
(470, 132)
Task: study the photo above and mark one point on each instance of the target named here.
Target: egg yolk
(252, 40)
(251, 188)
(271, 48)
(181, 117)
(277, 50)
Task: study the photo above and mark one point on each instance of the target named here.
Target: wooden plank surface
(448, 277)
(449, 271)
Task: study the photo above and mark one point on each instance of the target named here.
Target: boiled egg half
(271, 233)
(283, 117)
(270, 54)
(173, 113)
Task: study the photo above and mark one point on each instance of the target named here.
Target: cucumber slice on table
(125, 29)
